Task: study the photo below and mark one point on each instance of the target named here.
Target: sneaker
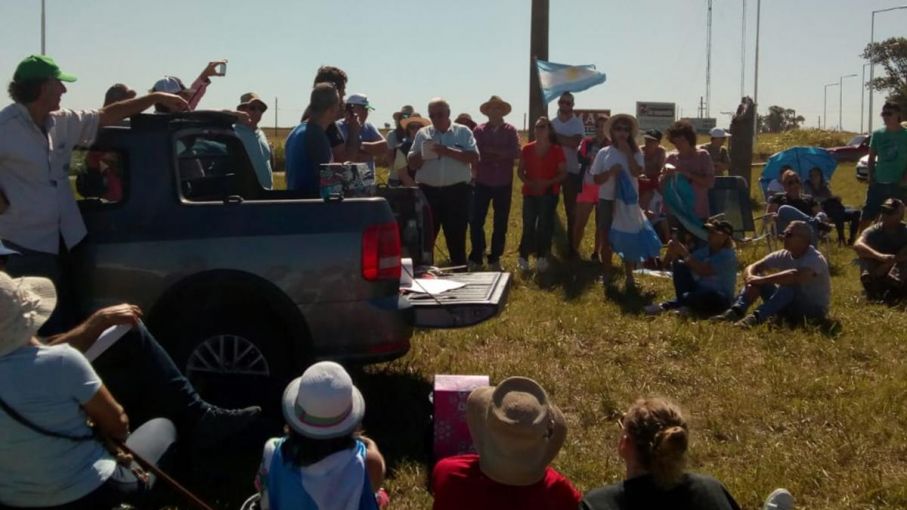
(653, 309)
(729, 315)
(683, 311)
(779, 499)
(747, 322)
(542, 265)
(472, 267)
(217, 424)
(522, 263)
(495, 266)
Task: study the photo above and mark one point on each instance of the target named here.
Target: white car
(863, 168)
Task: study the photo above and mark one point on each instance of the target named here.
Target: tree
(891, 54)
(779, 119)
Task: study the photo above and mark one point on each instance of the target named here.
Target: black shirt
(335, 136)
(804, 203)
(695, 492)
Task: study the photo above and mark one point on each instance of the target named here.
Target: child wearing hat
(323, 462)
(517, 432)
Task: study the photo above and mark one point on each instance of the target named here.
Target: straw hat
(405, 111)
(495, 101)
(323, 403)
(25, 305)
(415, 118)
(634, 126)
(515, 429)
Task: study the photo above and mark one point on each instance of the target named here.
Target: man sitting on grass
(800, 287)
(883, 254)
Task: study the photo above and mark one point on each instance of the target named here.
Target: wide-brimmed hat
(495, 101)
(417, 119)
(25, 305)
(717, 132)
(249, 98)
(634, 125)
(323, 403)
(720, 226)
(405, 111)
(516, 430)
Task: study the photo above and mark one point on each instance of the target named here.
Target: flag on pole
(556, 79)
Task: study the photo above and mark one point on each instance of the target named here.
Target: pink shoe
(382, 498)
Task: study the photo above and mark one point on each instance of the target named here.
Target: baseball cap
(169, 84)
(249, 98)
(718, 132)
(358, 99)
(891, 205)
(720, 226)
(37, 67)
(652, 134)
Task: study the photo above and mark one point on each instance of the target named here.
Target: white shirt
(34, 169)
(444, 171)
(604, 160)
(572, 127)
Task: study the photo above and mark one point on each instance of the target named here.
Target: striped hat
(323, 403)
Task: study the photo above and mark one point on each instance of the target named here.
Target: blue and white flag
(631, 236)
(556, 79)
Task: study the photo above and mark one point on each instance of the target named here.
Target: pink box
(451, 434)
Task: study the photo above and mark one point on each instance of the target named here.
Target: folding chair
(729, 200)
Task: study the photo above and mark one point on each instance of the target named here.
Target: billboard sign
(652, 115)
(588, 118)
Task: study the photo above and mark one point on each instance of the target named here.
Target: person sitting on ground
(799, 289)
(323, 461)
(832, 205)
(193, 95)
(254, 139)
(653, 444)
(793, 205)
(49, 456)
(883, 254)
(704, 279)
(406, 175)
(517, 431)
(308, 146)
(717, 151)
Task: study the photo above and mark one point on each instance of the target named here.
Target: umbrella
(801, 160)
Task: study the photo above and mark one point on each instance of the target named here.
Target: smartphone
(221, 69)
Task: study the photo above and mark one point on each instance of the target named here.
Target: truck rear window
(213, 167)
(98, 175)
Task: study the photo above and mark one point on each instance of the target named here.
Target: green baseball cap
(37, 67)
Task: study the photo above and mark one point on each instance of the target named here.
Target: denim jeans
(499, 197)
(538, 225)
(571, 187)
(777, 300)
(689, 293)
(787, 214)
(450, 211)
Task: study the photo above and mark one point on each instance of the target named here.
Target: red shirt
(542, 168)
(458, 484)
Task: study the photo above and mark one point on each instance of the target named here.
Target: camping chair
(729, 200)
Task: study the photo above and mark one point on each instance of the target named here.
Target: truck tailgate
(481, 298)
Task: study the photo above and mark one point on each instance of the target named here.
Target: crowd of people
(649, 206)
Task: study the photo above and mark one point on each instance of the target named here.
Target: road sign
(588, 118)
(652, 115)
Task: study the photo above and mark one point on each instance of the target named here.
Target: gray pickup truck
(241, 281)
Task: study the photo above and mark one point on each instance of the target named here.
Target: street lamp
(825, 104)
(872, 39)
(862, 97)
(841, 99)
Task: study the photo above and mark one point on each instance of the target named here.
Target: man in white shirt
(442, 155)
(36, 140)
(570, 131)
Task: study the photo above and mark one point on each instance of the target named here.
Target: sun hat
(415, 118)
(891, 205)
(6, 251)
(653, 134)
(249, 98)
(169, 84)
(717, 132)
(39, 67)
(405, 111)
(358, 99)
(634, 126)
(516, 430)
(323, 403)
(495, 101)
(25, 305)
(720, 226)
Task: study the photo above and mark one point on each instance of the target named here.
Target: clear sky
(406, 51)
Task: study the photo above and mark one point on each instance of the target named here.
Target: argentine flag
(556, 79)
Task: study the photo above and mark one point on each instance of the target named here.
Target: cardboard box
(451, 434)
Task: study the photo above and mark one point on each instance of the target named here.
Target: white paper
(107, 338)
(433, 285)
(428, 150)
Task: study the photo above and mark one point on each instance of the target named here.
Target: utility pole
(841, 100)
(43, 48)
(756, 75)
(275, 116)
(872, 39)
(538, 49)
(702, 107)
(742, 48)
(825, 104)
(708, 61)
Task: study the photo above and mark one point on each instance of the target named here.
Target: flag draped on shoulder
(555, 79)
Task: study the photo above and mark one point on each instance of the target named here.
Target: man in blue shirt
(307, 146)
(371, 143)
(254, 139)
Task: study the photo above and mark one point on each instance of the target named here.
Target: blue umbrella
(801, 160)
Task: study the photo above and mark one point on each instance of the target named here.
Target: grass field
(821, 412)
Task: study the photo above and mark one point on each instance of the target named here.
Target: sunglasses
(570, 103)
(625, 129)
(541, 126)
(791, 181)
(437, 115)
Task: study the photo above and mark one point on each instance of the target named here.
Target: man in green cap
(39, 217)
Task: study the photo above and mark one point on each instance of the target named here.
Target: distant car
(857, 147)
(863, 168)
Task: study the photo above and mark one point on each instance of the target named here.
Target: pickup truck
(240, 283)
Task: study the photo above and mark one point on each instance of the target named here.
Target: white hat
(169, 84)
(358, 99)
(323, 403)
(6, 251)
(717, 132)
(25, 305)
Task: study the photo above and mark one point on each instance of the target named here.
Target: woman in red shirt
(542, 168)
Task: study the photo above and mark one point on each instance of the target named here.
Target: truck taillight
(381, 252)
